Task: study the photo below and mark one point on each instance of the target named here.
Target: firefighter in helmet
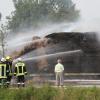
(20, 72)
(9, 69)
(3, 72)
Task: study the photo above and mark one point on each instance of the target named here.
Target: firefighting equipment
(20, 69)
(9, 69)
(8, 57)
(19, 59)
(20, 72)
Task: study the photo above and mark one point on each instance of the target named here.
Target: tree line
(33, 12)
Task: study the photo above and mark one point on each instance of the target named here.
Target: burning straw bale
(37, 42)
(86, 61)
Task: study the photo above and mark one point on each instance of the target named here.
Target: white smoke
(89, 8)
(90, 16)
(42, 32)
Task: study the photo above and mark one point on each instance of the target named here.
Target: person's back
(59, 68)
(20, 68)
(9, 69)
(20, 72)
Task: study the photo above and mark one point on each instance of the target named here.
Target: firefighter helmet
(8, 57)
(3, 59)
(19, 59)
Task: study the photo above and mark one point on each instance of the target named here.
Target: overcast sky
(89, 8)
(6, 6)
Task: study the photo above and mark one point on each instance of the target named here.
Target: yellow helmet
(8, 57)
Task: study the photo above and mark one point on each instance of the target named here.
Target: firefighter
(3, 72)
(9, 69)
(20, 72)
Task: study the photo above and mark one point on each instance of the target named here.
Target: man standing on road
(59, 69)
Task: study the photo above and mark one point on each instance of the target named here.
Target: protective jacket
(3, 70)
(20, 69)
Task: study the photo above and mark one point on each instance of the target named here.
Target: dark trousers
(21, 80)
(9, 78)
(3, 82)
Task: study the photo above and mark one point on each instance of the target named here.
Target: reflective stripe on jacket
(3, 70)
(20, 69)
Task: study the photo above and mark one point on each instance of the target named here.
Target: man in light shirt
(59, 69)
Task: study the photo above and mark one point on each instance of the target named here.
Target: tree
(3, 35)
(33, 12)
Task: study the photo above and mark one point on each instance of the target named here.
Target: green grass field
(51, 93)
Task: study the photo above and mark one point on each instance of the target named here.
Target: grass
(50, 93)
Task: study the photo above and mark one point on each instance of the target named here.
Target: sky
(6, 7)
(90, 15)
(89, 8)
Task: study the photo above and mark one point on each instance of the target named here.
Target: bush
(49, 93)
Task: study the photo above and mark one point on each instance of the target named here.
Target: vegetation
(50, 93)
(34, 13)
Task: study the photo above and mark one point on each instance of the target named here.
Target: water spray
(54, 55)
